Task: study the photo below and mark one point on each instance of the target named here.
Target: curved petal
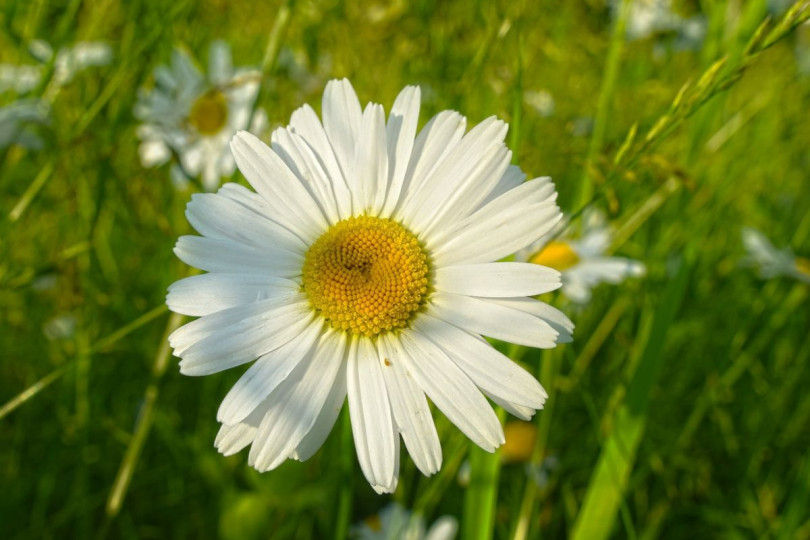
(265, 375)
(342, 120)
(305, 122)
(222, 255)
(247, 221)
(238, 335)
(461, 180)
(297, 154)
(491, 371)
(400, 132)
(500, 279)
(481, 316)
(313, 440)
(439, 136)
(510, 222)
(410, 408)
(369, 183)
(451, 390)
(297, 403)
(551, 315)
(375, 436)
(209, 293)
(289, 201)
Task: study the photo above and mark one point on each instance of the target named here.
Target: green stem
(344, 509)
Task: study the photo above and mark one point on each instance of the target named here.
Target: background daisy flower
(582, 261)
(364, 268)
(772, 262)
(195, 115)
(394, 521)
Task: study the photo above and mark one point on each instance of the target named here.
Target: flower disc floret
(366, 275)
(558, 255)
(209, 113)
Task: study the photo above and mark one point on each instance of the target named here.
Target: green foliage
(101, 437)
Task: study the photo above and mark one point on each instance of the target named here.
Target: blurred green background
(680, 410)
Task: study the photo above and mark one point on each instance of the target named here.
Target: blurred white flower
(541, 101)
(582, 262)
(772, 262)
(646, 18)
(16, 121)
(395, 522)
(60, 327)
(196, 115)
(69, 61)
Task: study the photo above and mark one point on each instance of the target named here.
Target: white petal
(445, 528)
(520, 411)
(342, 118)
(439, 136)
(297, 403)
(305, 122)
(400, 133)
(510, 179)
(410, 408)
(510, 222)
(375, 436)
(302, 161)
(290, 202)
(209, 293)
(232, 439)
(451, 390)
(370, 180)
(265, 375)
(154, 153)
(462, 180)
(220, 67)
(491, 371)
(236, 336)
(313, 440)
(553, 316)
(499, 279)
(481, 316)
(221, 216)
(218, 255)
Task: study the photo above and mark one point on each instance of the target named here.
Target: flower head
(772, 262)
(363, 267)
(394, 521)
(195, 115)
(582, 261)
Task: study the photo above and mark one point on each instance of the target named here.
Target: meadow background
(681, 409)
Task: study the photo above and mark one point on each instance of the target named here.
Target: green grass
(100, 436)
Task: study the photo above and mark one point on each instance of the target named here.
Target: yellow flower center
(366, 275)
(519, 443)
(209, 113)
(557, 255)
(803, 265)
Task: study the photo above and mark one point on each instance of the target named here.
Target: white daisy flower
(196, 115)
(773, 262)
(582, 261)
(647, 18)
(18, 122)
(68, 63)
(396, 523)
(364, 267)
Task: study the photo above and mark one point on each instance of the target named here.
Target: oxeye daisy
(394, 521)
(772, 262)
(582, 261)
(363, 269)
(195, 115)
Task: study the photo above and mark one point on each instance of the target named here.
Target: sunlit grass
(664, 422)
